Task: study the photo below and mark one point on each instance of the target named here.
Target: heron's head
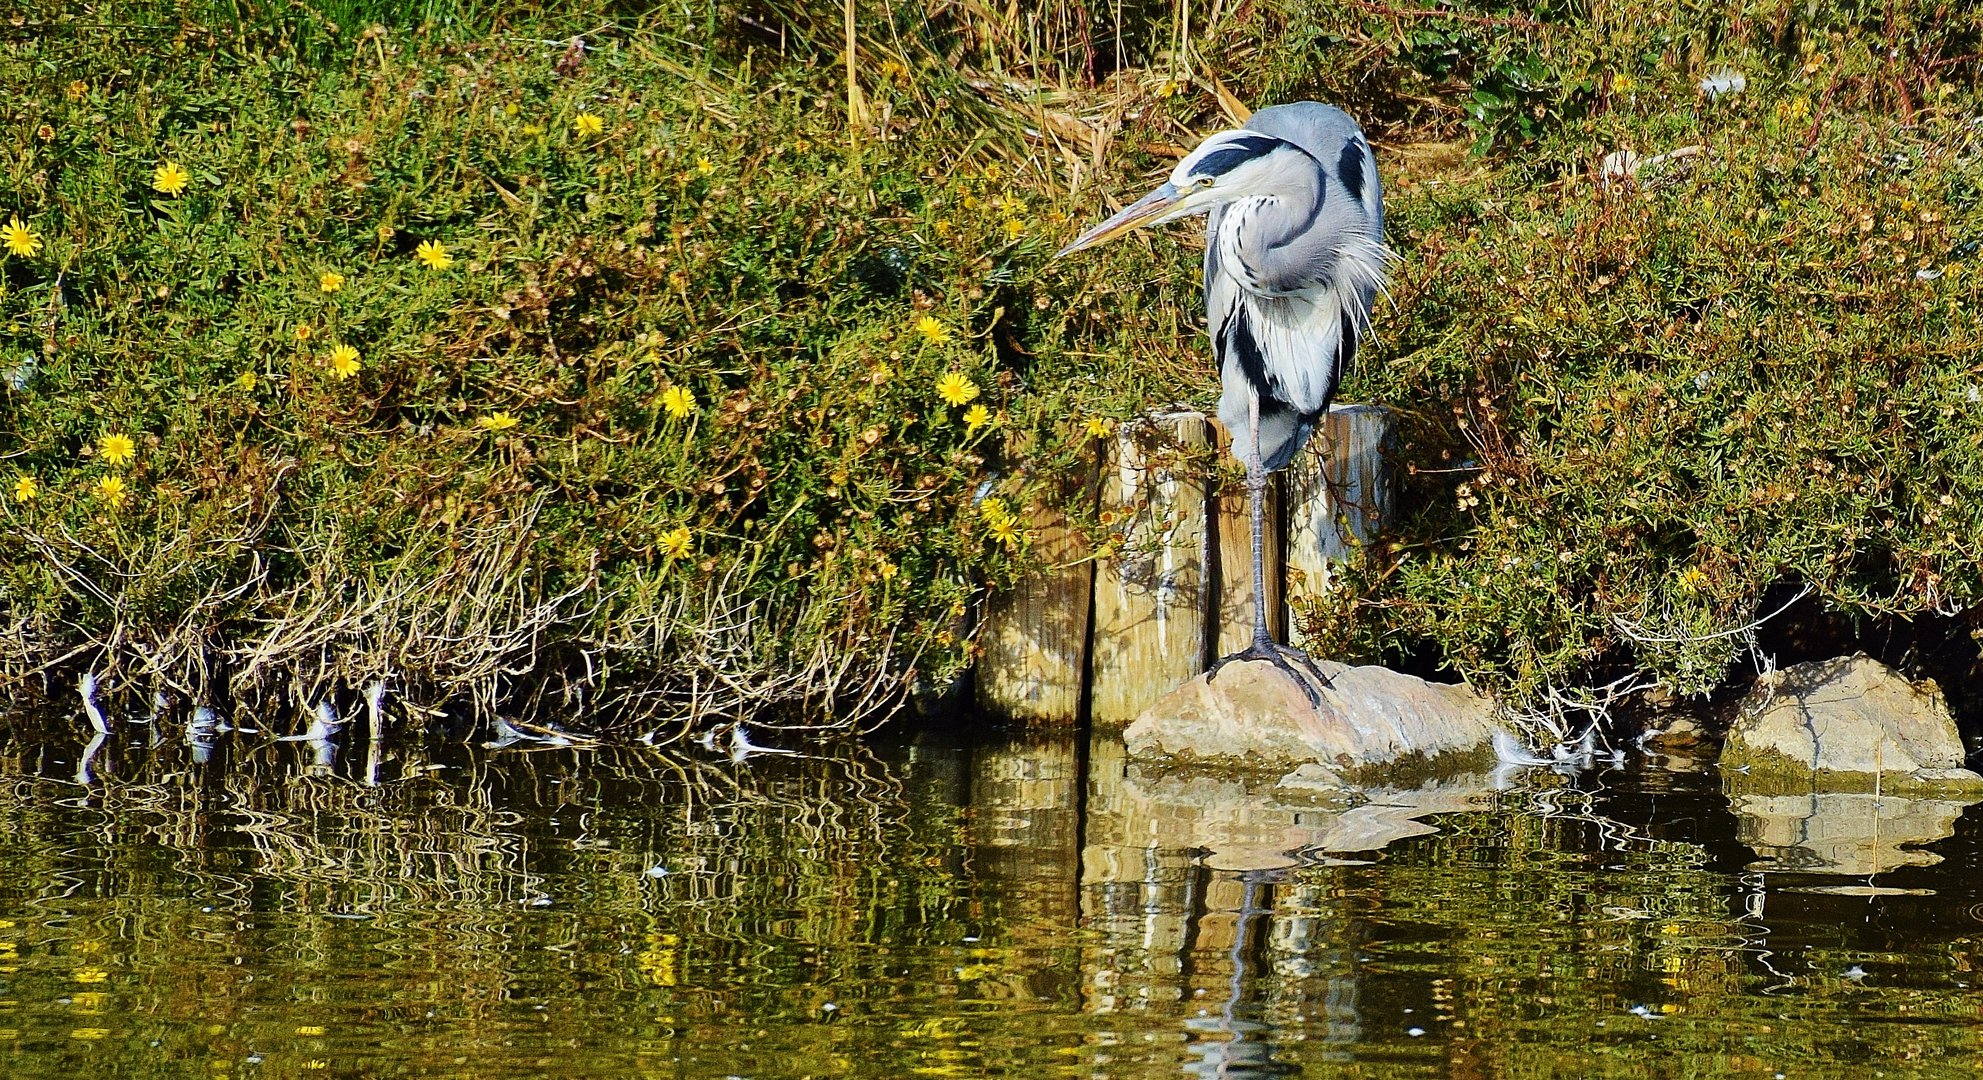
(1228, 166)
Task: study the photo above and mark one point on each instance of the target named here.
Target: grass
(649, 336)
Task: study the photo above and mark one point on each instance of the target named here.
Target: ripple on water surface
(1007, 905)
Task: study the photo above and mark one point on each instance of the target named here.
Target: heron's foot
(1297, 665)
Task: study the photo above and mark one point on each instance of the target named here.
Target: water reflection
(215, 902)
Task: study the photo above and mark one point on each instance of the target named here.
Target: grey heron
(1294, 259)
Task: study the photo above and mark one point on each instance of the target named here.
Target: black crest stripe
(1349, 169)
(1234, 154)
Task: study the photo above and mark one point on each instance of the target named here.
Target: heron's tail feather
(1284, 430)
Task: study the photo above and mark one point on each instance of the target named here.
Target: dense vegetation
(424, 339)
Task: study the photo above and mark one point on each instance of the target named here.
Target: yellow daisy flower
(1622, 84)
(1100, 427)
(533, 129)
(344, 361)
(993, 509)
(501, 421)
(704, 166)
(26, 489)
(1014, 229)
(678, 401)
(932, 330)
(75, 90)
(20, 239)
(587, 124)
(887, 570)
(1005, 532)
(675, 542)
(170, 178)
(330, 281)
(116, 449)
(303, 332)
(245, 381)
(433, 254)
(111, 490)
(975, 417)
(956, 388)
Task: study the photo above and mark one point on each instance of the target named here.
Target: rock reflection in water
(1179, 867)
(1852, 833)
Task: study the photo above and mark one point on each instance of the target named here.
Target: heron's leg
(1264, 646)
(1256, 493)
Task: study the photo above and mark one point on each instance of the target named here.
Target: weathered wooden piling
(1035, 636)
(1152, 597)
(1339, 494)
(1118, 632)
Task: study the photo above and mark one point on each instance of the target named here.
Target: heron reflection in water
(1294, 259)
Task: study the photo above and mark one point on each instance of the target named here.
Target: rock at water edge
(1256, 717)
(1849, 724)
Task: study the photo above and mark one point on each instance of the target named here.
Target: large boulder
(1850, 724)
(1371, 721)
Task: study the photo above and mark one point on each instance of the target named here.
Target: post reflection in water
(190, 899)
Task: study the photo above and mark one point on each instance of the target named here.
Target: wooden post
(1035, 637)
(1151, 597)
(1232, 588)
(1339, 494)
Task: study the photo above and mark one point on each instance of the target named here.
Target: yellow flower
(704, 166)
(880, 373)
(1100, 427)
(1693, 578)
(169, 178)
(245, 381)
(675, 542)
(386, 232)
(20, 239)
(976, 416)
(956, 388)
(1014, 229)
(587, 124)
(46, 132)
(933, 331)
(678, 401)
(92, 975)
(344, 361)
(309, 1029)
(1795, 109)
(330, 281)
(75, 90)
(1622, 84)
(887, 570)
(1005, 532)
(500, 421)
(993, 510)
(26, 489)
(303, 332)
(433, 254)
(111, 490)
(943, 227)
(533, 129)
(116, 449)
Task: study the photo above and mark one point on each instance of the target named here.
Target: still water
(945, 904)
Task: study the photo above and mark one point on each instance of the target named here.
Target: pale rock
(1848, 724)
(1254, 716)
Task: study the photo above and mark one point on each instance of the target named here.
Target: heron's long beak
(1144, 211)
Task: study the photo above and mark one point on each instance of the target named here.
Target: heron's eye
(1203, 181)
